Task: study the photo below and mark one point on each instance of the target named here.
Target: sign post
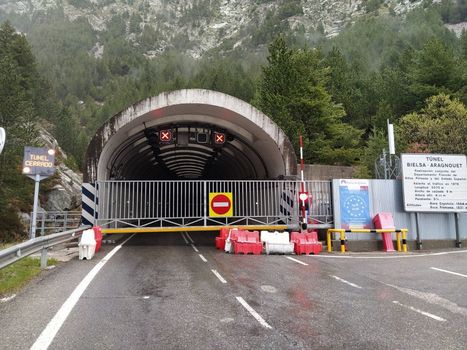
(38, 164)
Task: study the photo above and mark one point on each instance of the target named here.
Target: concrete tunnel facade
(128, 146)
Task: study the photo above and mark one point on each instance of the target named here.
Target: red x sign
(165, 135)
(219, 138)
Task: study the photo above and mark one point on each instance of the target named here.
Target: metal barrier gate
(142, 204)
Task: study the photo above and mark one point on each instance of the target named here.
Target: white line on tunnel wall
(52, 328)
(346, 282)
(218, 275)
(450, 272)
(253, 313)
(424, 313)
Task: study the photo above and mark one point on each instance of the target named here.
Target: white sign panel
(434, 182)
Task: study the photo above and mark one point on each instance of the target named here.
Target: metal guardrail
(12, 254)
(56, 221)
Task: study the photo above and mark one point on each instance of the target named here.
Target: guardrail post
(65, 221)
(44, 258)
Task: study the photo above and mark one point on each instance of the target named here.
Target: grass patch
(17, 275)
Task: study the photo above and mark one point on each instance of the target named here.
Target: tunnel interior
(187, 150)
(189, 135)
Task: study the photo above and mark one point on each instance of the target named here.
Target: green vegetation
(17, 275)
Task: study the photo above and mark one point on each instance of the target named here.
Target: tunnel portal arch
(128, 147)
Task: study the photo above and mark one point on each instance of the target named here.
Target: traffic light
(219, 138)
(165, 136)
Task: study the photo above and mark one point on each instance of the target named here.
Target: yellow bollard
(342, 234)
(329, 241)
(398, 239)
(404, 240)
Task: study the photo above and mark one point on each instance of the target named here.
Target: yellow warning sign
(220, 204)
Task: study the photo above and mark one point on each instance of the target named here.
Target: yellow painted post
(404, 240)
(329, 241)
(398, 238)
(342, 234)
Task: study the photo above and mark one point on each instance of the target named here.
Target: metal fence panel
(185, 203)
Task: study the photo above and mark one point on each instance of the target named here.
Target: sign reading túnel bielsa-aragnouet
(434, 182)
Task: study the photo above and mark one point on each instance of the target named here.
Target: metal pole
(205, 201)
(302, 184)
(419, 239)
(36, 200)
(458, 238)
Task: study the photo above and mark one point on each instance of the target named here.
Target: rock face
(201, 25)
(66, 194)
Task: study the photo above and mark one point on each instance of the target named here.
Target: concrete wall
(386, 196)
(327, 172)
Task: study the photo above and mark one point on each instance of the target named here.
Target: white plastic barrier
(277, 242)
(228, 243)
(87, 245)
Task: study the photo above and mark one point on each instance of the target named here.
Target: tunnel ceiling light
(184, 160)
(145, 148)
(184, 156)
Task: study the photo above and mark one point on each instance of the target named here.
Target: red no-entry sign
(220, 204)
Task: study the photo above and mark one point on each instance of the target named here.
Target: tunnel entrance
(187, 135)
(156, 163)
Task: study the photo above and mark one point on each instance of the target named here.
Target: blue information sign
(354, 204)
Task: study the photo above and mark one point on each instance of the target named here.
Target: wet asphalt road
(157, 292)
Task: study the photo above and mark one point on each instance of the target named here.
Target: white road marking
(7, 299)
(184, 238)
(189, 237)
(194, 248)
(432, 298)
(146, 297)
(385, 257)
(202, 257)
(424, 313)
(253, 313)
(50, 331)
(297, 261)
(346, 282)
(447, 271)
(218, 275)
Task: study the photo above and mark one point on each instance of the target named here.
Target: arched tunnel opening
(189, 134)
(145, 163)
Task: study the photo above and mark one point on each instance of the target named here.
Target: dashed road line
(450, 272)
(296, 260)
(184, 238)
(189, 237)
(202, 257)
(424, 313)
(7, 299)
(253, 313)
(346, 282)
(194, 248)
(218, 275)
(52, 328)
